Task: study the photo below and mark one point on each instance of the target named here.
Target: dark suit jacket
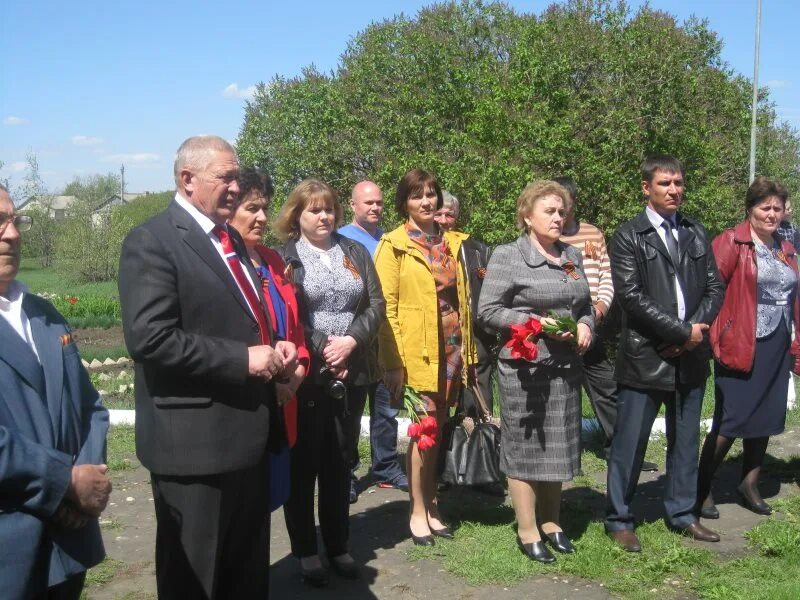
(187, 326)
(50, 419)
(644, 287)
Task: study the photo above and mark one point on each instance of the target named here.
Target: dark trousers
(383, 435)
(212, 535)
(323, 454)
(636, 412)
(598, 379)
(487, 362)
(66, 590)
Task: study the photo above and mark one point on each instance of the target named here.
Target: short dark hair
(568, 183)
(763, 188)
(660, 162)
(254, 179)
(415, 182)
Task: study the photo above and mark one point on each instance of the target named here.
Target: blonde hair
(309, 192)
(197, 152)
(534, 192)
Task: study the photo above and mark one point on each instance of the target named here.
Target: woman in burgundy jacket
(751, 338)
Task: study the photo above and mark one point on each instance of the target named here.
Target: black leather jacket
(644, 287)
(369, 315)
(475, 256)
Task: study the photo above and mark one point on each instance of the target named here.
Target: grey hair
(196, 152)
(448, 200)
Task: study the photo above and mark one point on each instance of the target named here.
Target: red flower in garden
(72, 300)
(523, 339)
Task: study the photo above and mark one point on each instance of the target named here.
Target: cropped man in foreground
(53, 483)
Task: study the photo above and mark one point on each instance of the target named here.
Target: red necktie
(235, 264)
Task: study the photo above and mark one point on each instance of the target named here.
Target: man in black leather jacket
(666, 283)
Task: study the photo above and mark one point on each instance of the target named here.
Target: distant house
(57, 206)
(105, 207)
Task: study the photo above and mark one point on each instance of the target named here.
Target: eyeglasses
(21, 222)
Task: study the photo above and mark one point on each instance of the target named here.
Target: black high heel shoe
(709, 510)
(423, 540)
(536, 551)
(757, 506)
(444, 532)
(561, 542)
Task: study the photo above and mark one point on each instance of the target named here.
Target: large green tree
(490, 99)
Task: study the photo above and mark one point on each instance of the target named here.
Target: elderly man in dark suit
(53, 483)
(666, 282)
(206, 359)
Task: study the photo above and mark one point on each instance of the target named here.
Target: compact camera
(334, 387)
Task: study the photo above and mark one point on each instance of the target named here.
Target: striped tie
(235, 263)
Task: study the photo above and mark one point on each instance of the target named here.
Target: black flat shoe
(561, 542)
(536, 551)
(757, 506)
(709, 512)
(423, 540)
(314, 577)
(348, 570)
(444, 532)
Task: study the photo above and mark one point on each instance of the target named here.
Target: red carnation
(72, 300)
(414, 430)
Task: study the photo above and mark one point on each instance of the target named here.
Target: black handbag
(470, 452)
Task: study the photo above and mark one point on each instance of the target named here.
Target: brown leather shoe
(627, 539)
(700, 532)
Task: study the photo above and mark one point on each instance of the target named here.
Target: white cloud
(86, 140)
(11, 121)
(777, 83)
(135, 157)
(234, 91)
(18, 167)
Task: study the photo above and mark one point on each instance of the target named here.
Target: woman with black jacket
(342, 308)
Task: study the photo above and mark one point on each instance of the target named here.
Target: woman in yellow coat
(427, 342)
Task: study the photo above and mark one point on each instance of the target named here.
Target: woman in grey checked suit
(540, 399)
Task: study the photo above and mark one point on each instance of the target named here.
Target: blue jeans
(382, 436)
(636, 411)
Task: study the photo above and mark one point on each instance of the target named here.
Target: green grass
(121, 453)
(104, 572)
(89, 353)
(51, 281)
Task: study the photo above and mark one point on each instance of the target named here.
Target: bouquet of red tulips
(525, 335)
(422, 429)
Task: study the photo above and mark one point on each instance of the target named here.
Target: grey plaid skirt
(541, 420)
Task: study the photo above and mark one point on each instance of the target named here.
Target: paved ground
(380, 541)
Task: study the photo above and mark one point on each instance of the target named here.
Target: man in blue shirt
(367, 204)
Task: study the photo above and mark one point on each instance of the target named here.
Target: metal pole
(755, 97)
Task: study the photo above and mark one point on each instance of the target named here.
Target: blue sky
(90, 85)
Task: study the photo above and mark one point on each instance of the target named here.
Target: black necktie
(672, 243)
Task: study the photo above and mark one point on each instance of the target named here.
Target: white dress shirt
(207, 225)
(656, 219)
(11, 309)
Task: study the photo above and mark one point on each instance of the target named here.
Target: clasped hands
(336, 352)
(695, 339)
(87, 496)
(279, 363)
